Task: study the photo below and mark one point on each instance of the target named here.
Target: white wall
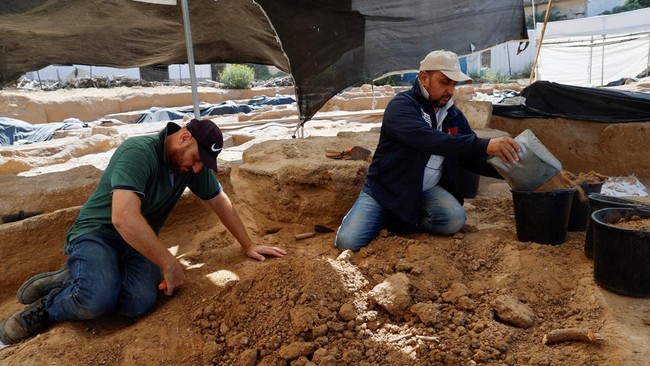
(50, 72)
(505, 60)
(183, 70)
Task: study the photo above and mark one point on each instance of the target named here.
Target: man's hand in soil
(260, 252)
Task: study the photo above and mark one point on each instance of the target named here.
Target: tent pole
(541, 39)
(532, 3)
(647, 67)
(190, 57)
(602, 62)
(591, 58)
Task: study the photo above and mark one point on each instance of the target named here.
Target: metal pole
(591, 58)
(190, 57)
(647, 67)
(38, 74)
(602, 62)
(533, 6)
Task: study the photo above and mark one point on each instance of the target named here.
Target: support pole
(647, 67)
(602, 61)
(190, 57)
(541, 39)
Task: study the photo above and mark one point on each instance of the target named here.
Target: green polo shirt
(138, 165)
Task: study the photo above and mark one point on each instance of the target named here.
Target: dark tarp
(17, 132)
(228, 107)
(326, 45)
(263, 100)
(546, 99)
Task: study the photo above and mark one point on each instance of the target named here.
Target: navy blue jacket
(406, 142)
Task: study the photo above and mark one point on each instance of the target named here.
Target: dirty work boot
(25, 323)
(41, 284)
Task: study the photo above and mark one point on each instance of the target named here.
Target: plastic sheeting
(156, 114)
(227, 107)
(596, 51)
(17, 132)
(552, 100)
(326, 45)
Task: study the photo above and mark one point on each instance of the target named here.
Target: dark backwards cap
(209, 140)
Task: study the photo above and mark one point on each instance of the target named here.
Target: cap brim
(208, 159)
(456, 75)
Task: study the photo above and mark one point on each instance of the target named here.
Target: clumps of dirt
(567, 180)
(591, 177)
(416, 300)
(635, 222)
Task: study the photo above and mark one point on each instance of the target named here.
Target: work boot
(25, 323)
(41, 284)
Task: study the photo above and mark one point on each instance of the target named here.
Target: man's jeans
(107, 275)
(440, 214)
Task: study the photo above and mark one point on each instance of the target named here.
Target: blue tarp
(17, 132)
(228, 107)
(161, 114)
(277, 100)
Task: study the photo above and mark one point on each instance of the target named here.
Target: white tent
(597, 50)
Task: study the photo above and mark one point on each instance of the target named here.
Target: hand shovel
(353, 153)
(317, 229)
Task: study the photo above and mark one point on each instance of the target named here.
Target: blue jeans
(440, 214)
(107, 275)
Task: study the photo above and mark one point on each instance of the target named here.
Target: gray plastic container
(535, 167)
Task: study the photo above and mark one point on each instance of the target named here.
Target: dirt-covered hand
(260, 252)
(173, 277)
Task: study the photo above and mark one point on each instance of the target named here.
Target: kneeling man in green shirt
(115, 258)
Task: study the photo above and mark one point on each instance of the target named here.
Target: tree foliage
(237, 76)
(629, 6)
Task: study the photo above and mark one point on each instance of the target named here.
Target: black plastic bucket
(468, 182)
(597, 202)
(621, 255)
(542, 217)
(580, 209)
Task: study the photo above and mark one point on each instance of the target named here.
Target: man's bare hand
(173, 276)
(505, 148)
(260, 251)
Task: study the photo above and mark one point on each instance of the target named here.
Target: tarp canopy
(326, 45)
(552, 100)
(595, 51)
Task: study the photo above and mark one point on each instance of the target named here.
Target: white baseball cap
(445, 62)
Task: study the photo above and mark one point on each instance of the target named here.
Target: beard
(174, 159)
(442, 101)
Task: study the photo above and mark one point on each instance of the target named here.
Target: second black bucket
(621, 254)
(597, 202)
(468, 182)
(580, 209)
(542, 217)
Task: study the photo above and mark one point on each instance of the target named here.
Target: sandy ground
(478, 297)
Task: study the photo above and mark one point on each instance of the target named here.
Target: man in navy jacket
(410, 185)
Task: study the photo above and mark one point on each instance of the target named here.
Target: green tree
(540, 16)
(628, 6)
(237, 76)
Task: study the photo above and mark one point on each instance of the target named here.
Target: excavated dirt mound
(478, 297)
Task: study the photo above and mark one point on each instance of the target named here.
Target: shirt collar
(425, 95)
(170, 129)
